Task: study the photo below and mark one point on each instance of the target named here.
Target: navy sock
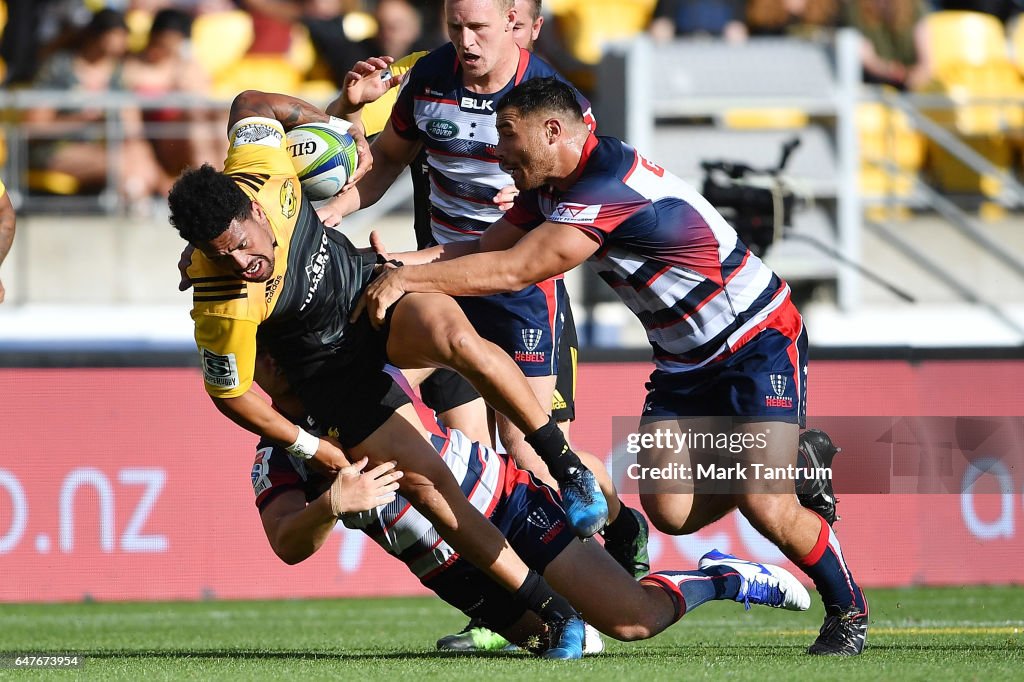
(690, 589)
(826, 566)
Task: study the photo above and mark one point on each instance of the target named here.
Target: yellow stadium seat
(270, 73)
(220, 39)
(972, 65)
(589, 24)
(960, 38)
(764, 119)
(1016, 33)
(52, 182)
(892, 152)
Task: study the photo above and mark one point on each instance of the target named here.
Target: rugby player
(266, 267)
(446, 107)
(730, 349)
(299, 506)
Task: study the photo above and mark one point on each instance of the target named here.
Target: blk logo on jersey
(477, 105)
(567, 212)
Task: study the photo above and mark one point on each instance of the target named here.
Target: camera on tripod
(755, 201)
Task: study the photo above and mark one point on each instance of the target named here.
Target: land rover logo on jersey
(778, 384)
(288, 202)
(219, 370)
(315, 270)
(531, 338)
(442, 129)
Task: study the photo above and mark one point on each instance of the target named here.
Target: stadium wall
(127, 484)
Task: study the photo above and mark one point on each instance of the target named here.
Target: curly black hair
(203, 202)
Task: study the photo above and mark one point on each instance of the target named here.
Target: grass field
(973, 633)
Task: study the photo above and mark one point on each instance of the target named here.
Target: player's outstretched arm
(6, 230)
(296, 530)
(508, 260)
(255, 415)
(366, 82)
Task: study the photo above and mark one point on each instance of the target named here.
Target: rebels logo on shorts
(780, 399)
(531, 339)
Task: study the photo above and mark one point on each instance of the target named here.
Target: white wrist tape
(305, 445)
(339, 123)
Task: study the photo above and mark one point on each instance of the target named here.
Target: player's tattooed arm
(290, 111)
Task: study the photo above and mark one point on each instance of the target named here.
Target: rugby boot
(844, 632)
(764, 584)
(583, 501)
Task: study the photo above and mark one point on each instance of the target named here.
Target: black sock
(542, 600)
(549, 442)
(624, 527)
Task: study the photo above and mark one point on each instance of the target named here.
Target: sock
(542, 600)
(690, 589)
(624, 527)
(826, 566)
(549, 443)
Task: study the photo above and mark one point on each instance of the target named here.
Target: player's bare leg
(673, 506)
(469, 418)
(429, 485)
(515, 441)
(623, 608)
(430, 330)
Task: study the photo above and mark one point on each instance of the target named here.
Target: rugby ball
(324, 158)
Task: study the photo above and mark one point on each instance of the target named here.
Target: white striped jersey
(458, 130)
(668, 254)
(397, 527)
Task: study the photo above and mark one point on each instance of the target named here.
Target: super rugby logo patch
(567, 212)
(219, 370)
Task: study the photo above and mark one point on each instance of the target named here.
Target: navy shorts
(532, 520)
(766, 379)
(526, 324)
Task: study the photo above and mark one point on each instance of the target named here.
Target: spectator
(165, 66)
(796, 18)
(712, 18)
(74, 138)
(399, 31)
(894, 49)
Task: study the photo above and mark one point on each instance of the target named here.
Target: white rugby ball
(324, 158)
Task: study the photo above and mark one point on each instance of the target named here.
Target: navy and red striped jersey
(458, 130)
(670, 256)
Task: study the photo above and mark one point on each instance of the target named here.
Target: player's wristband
(305, 445)
(339, 123)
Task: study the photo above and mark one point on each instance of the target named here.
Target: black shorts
(563, 402)
(446, 389)
(353, 401)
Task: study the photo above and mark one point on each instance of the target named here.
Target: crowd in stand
(152, 48)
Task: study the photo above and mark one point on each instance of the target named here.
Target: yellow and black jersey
(376, 114)
(301, 312)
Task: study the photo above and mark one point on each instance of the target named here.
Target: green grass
(974, 633)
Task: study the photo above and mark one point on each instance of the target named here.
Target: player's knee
(463, 350)
(768, 514)
(667, 518)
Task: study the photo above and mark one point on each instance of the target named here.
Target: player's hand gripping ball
(324, 157)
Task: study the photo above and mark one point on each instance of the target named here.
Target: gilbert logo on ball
(324, 158)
